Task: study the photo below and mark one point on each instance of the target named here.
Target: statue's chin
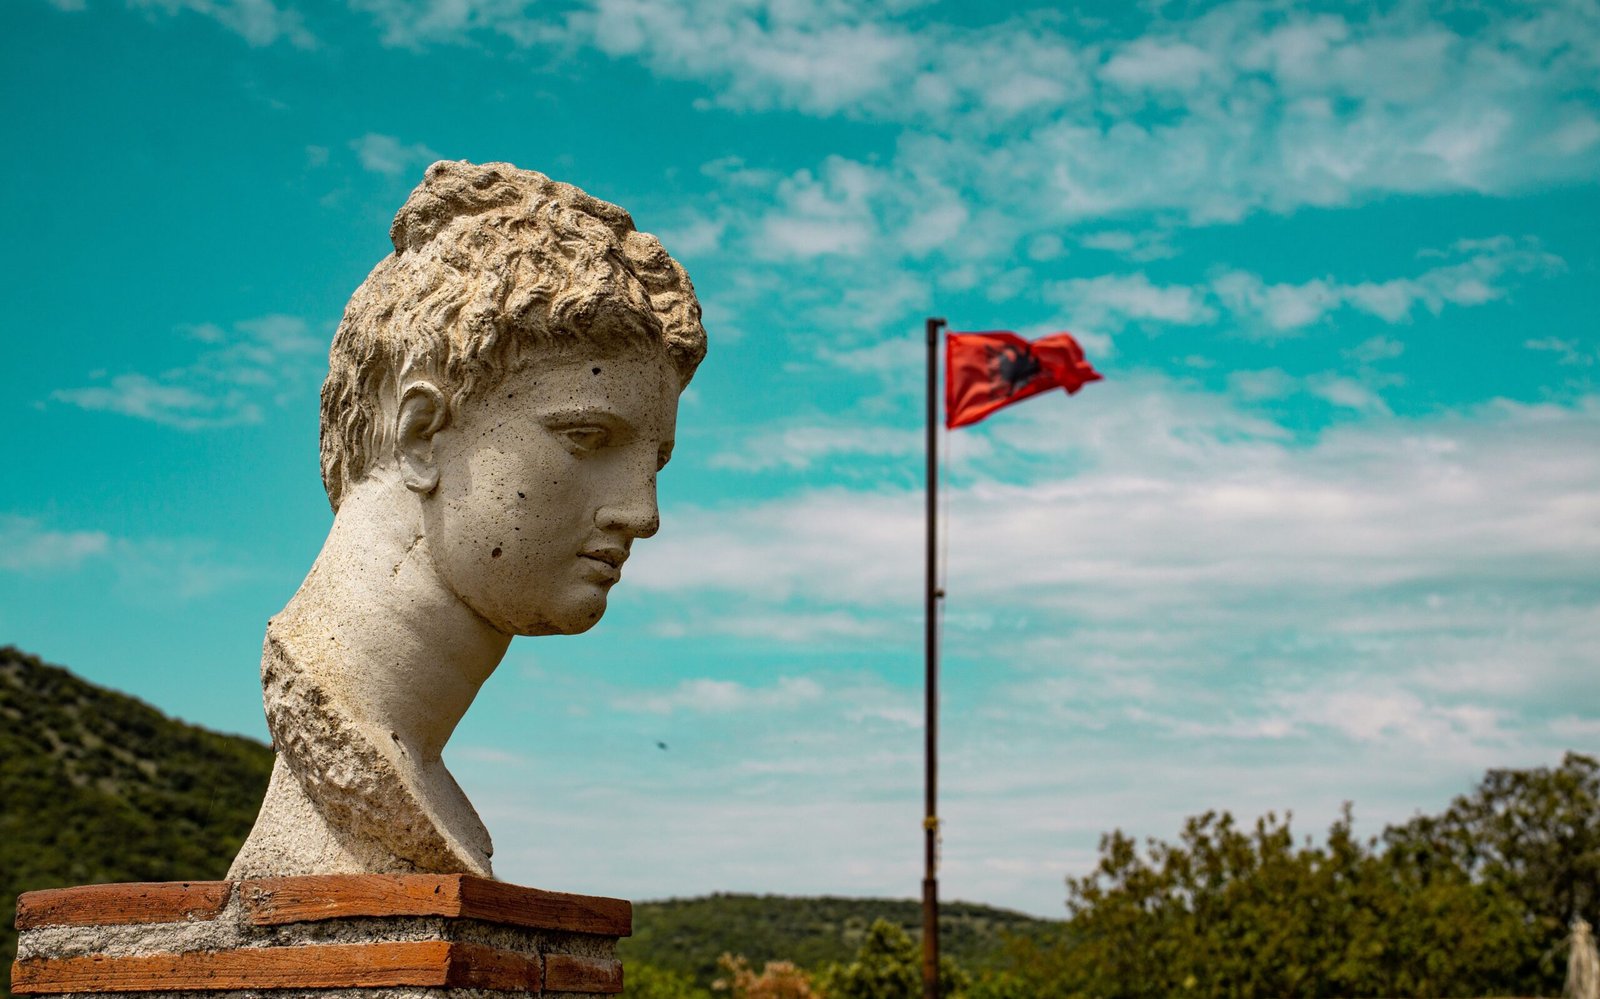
(575, 622)
(548, 628)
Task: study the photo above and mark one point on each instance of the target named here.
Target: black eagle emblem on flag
(1011, 367)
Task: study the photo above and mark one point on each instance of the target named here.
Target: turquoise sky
(1329, 529)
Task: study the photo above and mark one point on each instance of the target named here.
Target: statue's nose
(634, 513)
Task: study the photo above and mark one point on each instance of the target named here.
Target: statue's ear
(422, 414)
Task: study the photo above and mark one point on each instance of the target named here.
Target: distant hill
(687, 935)
(97, 786)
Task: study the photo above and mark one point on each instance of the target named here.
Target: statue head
(501, 393)
(516, 364)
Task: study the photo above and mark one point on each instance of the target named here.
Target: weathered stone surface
(502, 392)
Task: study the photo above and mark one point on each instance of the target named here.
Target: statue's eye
(581, 440)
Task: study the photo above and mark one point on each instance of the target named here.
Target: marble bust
(502, 392)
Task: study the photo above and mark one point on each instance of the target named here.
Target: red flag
(985, 371)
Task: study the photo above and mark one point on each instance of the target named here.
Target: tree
(1534, 832)
(888, 966)
(1229, 911)
(1000, 985)
(646, 981)
(778, 980)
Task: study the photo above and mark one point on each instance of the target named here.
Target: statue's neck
(375, 626)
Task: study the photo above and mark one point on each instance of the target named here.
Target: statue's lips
(607, 562)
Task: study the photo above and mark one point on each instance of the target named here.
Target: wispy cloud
(386, 154)
(174, 405)
(829, 213)
(26, 545)
(235, 374)
(1236, 110)
(719, 696)
(414, 24)
(1472, 273)
(258, 22)
(1568, 350)
(801, 447)
(166, 571)
(832, 627)
(819, 57)
(1115, 299)
(147, 570)
(1138, 246)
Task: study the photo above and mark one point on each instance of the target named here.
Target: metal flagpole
(930, 821)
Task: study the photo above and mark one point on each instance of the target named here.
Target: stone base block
(394, 936)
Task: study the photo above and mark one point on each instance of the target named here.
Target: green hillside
(97, 786)
(687, 935)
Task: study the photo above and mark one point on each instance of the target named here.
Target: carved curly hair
(490, 260)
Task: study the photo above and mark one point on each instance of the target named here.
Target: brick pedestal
(375, 936)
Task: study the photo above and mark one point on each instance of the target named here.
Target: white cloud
(1237, 110)
(147, 570)
(823, 214)
(1160, 64)
(1349, 393)
(801, 447)
(386, 154)
(1267, 383)
(1115, 299)
(265, 360)
(166, 571)
(258, 22)
(1281, 306)
(696, 236)
(416, 23)
(1137, 246)
(723, 696)
(1568, 350)
(178, 406)
(1474, 272)
(816, 55)
(847, 543)
(26, 545)
(489, 755)
(884, 357)
(1368, 714)
(1375, 349)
